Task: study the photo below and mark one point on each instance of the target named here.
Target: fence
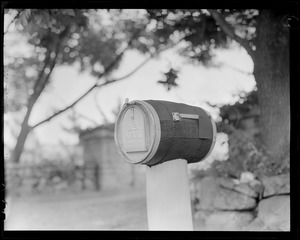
(51, 177)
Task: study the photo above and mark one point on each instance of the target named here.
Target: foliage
(39, 30)
(170, 79)
(200, 31)
(95, 40)
(19, 82)
(245, 107)
(89, 43)
(246, 153)
(259, 32)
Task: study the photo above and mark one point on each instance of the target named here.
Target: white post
(168, 196)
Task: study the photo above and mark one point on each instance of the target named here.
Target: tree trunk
(40, 84)
(271, 71)
(25, 130)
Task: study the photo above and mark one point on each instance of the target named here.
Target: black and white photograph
(147, 119)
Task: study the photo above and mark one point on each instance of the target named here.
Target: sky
(197, 85)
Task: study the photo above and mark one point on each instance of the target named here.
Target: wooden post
(168, 196)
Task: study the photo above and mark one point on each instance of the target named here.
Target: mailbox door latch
(177, 116)
(202, 131)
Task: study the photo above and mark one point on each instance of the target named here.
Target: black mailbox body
(151, 132)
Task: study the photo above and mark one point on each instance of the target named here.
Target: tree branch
(229, 31)
(42, 80)
(106, 70)
(121, 78)
(96, 85)
(136, 68)
(112, 64)
(17, 15)
(85, 117)
(40, 76)
(224, 64)
(66, 108)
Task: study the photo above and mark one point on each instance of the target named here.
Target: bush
(248, 154)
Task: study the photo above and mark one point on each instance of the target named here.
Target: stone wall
(246, 204)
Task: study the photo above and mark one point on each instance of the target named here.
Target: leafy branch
(98, 85)
(229, 31)
(13, 20)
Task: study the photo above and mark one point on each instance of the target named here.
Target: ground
(116, 210)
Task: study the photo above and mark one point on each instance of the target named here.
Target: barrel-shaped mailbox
(151, 132)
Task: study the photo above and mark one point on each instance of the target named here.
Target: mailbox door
(134, 131)
(137, 132)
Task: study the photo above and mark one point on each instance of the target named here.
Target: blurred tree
(264, 34)
(66, 36)
(47, 35)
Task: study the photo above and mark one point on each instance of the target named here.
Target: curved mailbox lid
(137, 132)
(134, 131)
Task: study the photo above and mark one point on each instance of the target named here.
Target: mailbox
(151, 132)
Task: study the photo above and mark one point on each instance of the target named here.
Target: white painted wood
(168, 196)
